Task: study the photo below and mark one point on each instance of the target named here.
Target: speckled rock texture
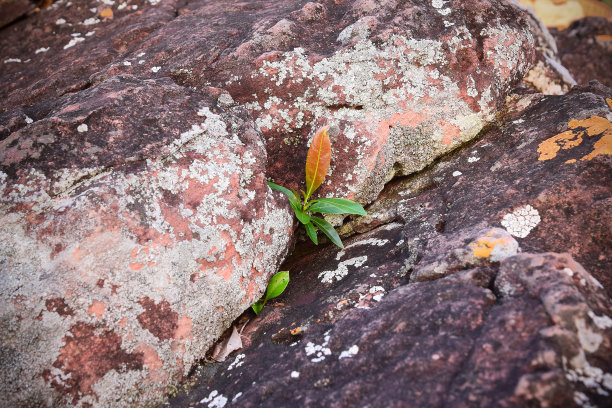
(136, 225)
(585, 49)
(482, 281)
(136, 137)
(402, 81)
(11, 10)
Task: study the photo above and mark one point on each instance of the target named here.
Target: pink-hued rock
(480, 282)
(403, 82)
(136, 225)
(11, 10)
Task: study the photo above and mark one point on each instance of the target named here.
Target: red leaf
(317, 161)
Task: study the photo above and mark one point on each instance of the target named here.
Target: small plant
(317, 164)
(275, 288)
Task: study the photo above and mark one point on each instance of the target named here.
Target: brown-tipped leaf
(317, 161)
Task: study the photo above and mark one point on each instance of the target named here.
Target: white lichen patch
(317, 352)
(238, 361)
(82, 128)
(521, 221)
(351, 352)
(155, 69)
(473, 159)
(42, 49)
(378, 292)
(9, 60)
(90, 21)
(29, 120)
(369, 242)
(342, 270)
(74, 42)
(214, 400)
(603, 322)
(295, 374)
(236, 397)
(60, 21)
(457, 173)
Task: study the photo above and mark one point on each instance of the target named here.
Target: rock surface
(449, 295)
(403, 81)
(585, 48)
(136, 224)
(130, 239)
(11, 10)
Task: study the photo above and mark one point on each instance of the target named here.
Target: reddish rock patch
(90, 352)
(59, 306)
(158, 318)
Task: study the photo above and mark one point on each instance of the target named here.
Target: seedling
(317, 164)
(275, 288)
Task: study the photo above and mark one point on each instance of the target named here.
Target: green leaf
(336, 206)
(312, 232)
(301, 215)
(327, 229)
(294, 201)
(277, 284)
(257, 306)
(282, 189)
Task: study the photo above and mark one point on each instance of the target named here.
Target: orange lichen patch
(602, 147)
(296, 331)
(183, 329)
(106, 13)
(97, 308)
(484, 246)
(151, 359)
(609, 102)
(225, 273)
(78, 254)
(548, 149)
(594, 125)
(136, 266)
(450, 131)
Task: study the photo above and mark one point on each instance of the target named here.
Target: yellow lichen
(609, 102)
(595, 125)
(602, 146)
(484, 246)
(548, 149)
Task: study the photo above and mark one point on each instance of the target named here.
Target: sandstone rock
(11, 10)
(136, 225)
(585, 49)
(542, 173)
(403, 82)
(435, 301)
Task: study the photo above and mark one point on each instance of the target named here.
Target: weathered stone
(11, 10)
(402, 81)
(433, 302)
(542, 173)
(584, 48)
(136, 225)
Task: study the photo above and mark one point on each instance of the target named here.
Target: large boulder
(136, 225)
(448, 294)
(402, 81)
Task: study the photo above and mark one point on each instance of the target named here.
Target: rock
(584, 48)
(402, 83)
(447, 293)
(11, 10)
(136, 225)
(542, 173)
